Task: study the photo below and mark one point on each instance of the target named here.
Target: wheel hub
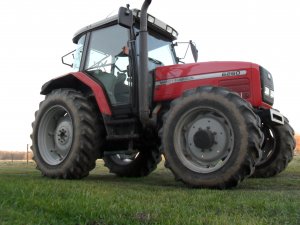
(204, 139)
(63, 137)
(208, 139)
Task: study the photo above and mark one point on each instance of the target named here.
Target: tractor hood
(172, 81)
(204, 70)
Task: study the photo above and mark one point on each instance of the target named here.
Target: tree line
(12, 155)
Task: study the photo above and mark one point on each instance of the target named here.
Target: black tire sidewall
(283, 150)
(277, 139)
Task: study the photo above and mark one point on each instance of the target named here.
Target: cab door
(108, 61)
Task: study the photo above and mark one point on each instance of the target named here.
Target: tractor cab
(109, 53)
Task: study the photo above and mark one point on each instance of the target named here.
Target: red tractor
(131, 101)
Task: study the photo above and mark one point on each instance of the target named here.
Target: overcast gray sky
(35, 34)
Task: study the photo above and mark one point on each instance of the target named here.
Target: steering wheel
(100, 63)
(122, 71)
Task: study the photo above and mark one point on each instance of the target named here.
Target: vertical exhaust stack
(143, 89)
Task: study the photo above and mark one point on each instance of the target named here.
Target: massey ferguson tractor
(131, 100)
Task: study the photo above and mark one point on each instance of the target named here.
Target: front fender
(82, 82)
(65, 81)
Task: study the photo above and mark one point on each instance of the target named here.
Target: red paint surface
(97, 90)
(247, 86)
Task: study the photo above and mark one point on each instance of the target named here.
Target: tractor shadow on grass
(279, 183)
(157, 178)
(162, 177)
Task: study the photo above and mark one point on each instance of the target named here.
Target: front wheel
(211, 138)
(278, 147)
(66, 135)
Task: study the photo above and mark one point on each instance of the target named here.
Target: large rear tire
(211, 138)
(137, 164)
(66, 137)
(278, 148)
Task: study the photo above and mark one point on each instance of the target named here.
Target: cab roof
(154, 24)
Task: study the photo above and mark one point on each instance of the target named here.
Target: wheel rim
(124, 159)
(269, 144)
(55, 135)
(204, 139)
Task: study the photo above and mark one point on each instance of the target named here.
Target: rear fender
(82, 82)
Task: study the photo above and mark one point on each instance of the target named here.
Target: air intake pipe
(143, 89)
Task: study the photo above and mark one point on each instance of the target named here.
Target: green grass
(102, 198)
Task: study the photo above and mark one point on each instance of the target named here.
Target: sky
(35, 34)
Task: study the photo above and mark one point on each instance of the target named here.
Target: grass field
(102, 198)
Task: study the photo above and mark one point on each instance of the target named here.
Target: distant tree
(9, 155)
(297, 137)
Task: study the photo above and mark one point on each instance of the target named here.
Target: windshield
(160, 52)
(78, 53)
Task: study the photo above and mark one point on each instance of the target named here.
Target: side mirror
(194, 51)
(125, 17)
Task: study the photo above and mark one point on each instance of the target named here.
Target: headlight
(151, 19)
(158, 23)
(271, 94)
(169, 29)
(268, 92)
(267, 86)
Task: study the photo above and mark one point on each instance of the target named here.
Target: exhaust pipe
(143, 89)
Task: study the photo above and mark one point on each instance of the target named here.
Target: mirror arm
(62, 58)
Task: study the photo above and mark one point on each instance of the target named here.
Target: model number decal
(201, 77)
(234, 73)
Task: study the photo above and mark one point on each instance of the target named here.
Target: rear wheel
(136, 164)
(66, 137)
(278, 147)
(211, 138)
